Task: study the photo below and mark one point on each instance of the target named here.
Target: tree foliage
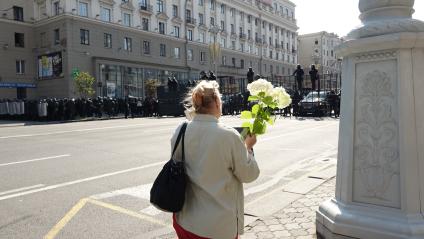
(85, 84)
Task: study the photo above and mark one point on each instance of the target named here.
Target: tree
(85, 84)
(151, 86)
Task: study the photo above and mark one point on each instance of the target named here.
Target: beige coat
(217, 163)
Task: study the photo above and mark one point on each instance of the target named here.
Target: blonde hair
(200, 98)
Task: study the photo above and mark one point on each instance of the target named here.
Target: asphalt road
(92, 179)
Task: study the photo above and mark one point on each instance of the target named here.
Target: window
(212, 5)
(222, 9)
(201, 2)
(212, 21)
(160, 5)
(249, 19)
(242, 64)
(174, 10)
(222, 25)
(233, 31)
(19, 39)
(177, 32)
(56, 8)
(277, 55)
(242, 47)
(18, 13)
(105, 14)
(143, 4)
(224, 60)
(201, 19)
(270, 54)
(146, 47)
(202, 56)
(242, 16)
(127, 44)
(84, 37)
(188, 16)
(256, 22)
(190, 35)
(202, 37)
(223, 42)
(127, 19)
(162, 49)
(56, 36)
(190, 54)
(83, 9)
(145, 24)
(263, 25)
(162, 28)
(233, 45)
(332, 53)
(233, 62)
(271, 69)
(270, 27)
(107, 40)
(232, 12)
(20, 67)
(177, 53)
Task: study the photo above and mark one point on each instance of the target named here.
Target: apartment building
(319, 49)
(125, 43)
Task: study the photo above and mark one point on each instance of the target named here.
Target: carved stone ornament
(380, 17)
(376, 151)
(127, 5)
(108, 2)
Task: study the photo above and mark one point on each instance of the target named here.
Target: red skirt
(182, 233)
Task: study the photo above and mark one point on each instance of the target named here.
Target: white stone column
(380, 174)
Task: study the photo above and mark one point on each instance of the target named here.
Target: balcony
(147, 9)
(233, 34)
(242, 36)
(191, 21)
(258, 40)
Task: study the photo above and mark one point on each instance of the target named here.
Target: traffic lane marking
(294, 132)
(81, 181)
(21, 189)
(68, 216)
(35, 160)
(75, 209)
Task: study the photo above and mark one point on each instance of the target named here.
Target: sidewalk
(296, 221)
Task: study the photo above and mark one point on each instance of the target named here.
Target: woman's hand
(250, 141)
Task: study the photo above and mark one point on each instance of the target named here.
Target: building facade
(126, 43)
(319, 49)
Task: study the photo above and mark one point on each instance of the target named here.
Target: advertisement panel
(50, 65)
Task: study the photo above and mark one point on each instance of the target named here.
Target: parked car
(315, 103)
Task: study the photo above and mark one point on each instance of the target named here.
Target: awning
(17, 85)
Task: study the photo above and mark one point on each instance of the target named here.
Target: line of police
(71, 109)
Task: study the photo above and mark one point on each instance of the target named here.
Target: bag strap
(180, 135)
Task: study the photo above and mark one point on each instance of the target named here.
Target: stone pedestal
(380, 177)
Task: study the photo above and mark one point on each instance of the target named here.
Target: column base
(336, 220)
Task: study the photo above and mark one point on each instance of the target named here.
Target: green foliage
(84, 83)
(261, 112)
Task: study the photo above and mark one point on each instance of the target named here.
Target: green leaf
(261, 94)
(268, 100)
(271, 120)
(255, 109)
(248, 125)
(259, 127)
(246, 115)
(253, 98)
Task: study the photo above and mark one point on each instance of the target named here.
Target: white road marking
(151, 211)
(34, 160)
(83, 130)
(21, 189)
(80, 181)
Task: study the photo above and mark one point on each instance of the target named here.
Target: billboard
(50, 65)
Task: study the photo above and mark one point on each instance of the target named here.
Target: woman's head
(204, 98)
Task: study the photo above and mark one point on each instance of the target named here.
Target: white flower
(281, 97)
(260, 85)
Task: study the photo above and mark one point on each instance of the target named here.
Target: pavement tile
(296, 220)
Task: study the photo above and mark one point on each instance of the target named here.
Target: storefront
(15, 90)
(119, 81)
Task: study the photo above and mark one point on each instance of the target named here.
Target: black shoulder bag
(168, 190)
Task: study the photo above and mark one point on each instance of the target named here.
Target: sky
(338, 16)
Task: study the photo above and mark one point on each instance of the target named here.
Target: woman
(217, 163)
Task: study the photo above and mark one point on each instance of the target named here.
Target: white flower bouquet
(267, 98)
